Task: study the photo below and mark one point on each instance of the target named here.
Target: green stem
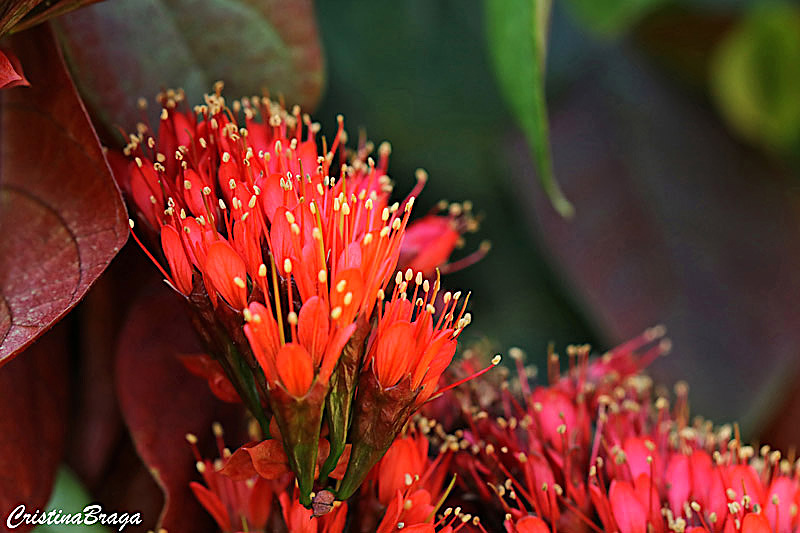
(339, 402)
(248, 386)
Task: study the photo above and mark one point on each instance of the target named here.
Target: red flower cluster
(405, 490)
(285, 255)
(596, 451)
(255, 503)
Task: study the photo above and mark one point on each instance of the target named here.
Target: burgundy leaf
(98, 427)
(33, 423)
(93, 451)
(161, 402)
(61, 216)
(252, 45)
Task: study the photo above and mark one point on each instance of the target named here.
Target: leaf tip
(562, 206)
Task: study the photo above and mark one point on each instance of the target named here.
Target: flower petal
(347, 291)
(531, 524)
(756, 523)
(261, 331)
(228, 274)
(295, 369)
(628, 511)
(212, 504)
(179, 264)
(393, 356)
(313, 327)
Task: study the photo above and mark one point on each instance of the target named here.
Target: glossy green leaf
(70, 497)
(122, 50)
(517, 32)
(755, 77)
(611, 17)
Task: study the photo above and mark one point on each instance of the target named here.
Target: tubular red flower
(410, 349)
(409, 343)
(392, 354)
(409, 483)
(407, 456)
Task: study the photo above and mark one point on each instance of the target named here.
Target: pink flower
(595, 451)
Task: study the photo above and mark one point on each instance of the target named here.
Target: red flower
(407, 456)
(240, 492)
(430, 240)
(410, 343)
(301, 520)
(284, 253)
(409, 351)
(406, 489)
(593, 452)
(242, 505)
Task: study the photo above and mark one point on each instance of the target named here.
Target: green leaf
(517, 32)
(122, 50)
(755, 77)
(70, 497)
(611, 17)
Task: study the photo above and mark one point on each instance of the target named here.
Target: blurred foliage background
(675, 136)
(674, 132)
(420, 76)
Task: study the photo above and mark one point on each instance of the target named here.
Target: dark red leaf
(93, 451)
(11, 74)
(252, 45)
(33, 423)
(61, 216)
(97, 429)
(161, 402)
